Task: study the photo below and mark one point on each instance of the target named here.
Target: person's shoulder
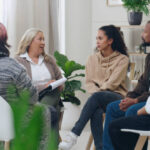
(124, 57)
(20, 59)
(8, 61)
(18, 65)
(49, 59)
(11, 64)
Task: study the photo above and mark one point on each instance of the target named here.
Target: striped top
(14, 74)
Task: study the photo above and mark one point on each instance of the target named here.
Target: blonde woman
(12, 73)
(41, 68)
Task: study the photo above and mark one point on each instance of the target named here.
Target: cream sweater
(107, 73)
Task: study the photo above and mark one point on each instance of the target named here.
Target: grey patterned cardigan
(12, 73)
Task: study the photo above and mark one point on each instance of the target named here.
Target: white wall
(78, 46)
(78, 29)
(117, 15)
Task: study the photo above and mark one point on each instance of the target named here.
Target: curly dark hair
(118, 44)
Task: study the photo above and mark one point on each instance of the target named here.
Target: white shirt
(147, 106)
(40, 73)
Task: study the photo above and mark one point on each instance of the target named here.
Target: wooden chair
(132, 71)
(142, 139)
(60, 123)
(143, 134)
(90, 140)
(6, 125)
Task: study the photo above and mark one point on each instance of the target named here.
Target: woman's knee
(94, 98)
(112, 106)
(132, 110)
(99, 97)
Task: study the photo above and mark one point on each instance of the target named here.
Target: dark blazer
(141, 91)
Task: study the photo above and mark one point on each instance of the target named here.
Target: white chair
(143, 134)
(142, 139)
(6, 125)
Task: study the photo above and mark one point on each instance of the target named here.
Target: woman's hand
(47, 84)
(127, 102)
(60, 87)
(142, 111)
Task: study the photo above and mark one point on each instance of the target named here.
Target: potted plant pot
(135, 18)
(70, 116)
(135, 9)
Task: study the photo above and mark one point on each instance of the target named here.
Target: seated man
(134, 100)
(126, 140)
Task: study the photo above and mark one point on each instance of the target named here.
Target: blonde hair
(27, 39)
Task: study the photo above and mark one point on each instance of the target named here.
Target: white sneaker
(67, 144)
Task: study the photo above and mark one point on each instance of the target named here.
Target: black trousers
(126, 140)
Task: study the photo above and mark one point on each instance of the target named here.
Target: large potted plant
(72, 84)
(136, 8)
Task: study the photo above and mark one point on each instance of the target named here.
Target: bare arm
(142, 111)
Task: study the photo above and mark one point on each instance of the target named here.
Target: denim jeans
(93, 109)
(113, 112)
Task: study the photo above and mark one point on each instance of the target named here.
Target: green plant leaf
(52, 145)
(73, 85)
(137, 5)
(72, 66)
(30, 131)
(82, 90)
(69, 66)
(72, 99)
(60, 60)
(29, 124)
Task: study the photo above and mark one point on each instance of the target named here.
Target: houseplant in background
(136, 8)
(30, 127)
(72, 84)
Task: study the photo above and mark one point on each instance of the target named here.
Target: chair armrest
(140, 132)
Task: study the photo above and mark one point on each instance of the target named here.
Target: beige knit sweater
(107, 73)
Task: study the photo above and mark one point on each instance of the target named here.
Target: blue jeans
(93, 110)
(113, 112)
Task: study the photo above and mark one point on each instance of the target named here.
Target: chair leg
(140, 143)
(60, 123)
(91, 138)
(7, 145)
(60, 119)
(89, 142)
(148, 147)
(94, 148)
